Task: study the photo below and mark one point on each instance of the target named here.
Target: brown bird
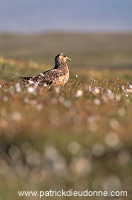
(59, 75)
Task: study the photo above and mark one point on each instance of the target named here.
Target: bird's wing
(48, 76)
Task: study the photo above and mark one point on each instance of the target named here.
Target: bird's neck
(63, 67)
(60, 65)
(57, 64)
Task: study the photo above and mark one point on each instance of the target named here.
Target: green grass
(77, 137)
(89, 50)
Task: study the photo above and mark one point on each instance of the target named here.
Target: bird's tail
(25, 78)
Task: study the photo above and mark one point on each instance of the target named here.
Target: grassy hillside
(77, 137)
(86, 50)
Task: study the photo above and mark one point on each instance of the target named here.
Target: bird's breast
(62, 80)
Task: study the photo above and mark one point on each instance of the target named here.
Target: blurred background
(78, 137)
(95, 34)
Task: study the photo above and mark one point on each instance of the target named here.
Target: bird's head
(61, 58)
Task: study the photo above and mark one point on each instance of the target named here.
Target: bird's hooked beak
(68, 58)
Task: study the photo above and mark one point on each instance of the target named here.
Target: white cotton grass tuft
(5, 98)
(16, 116)
(74, 147)
(67, 103)
(95, 90)
(108, 92)
(45, 85)
(117, 97)
(18, 87)
(57, 90)
(97, 102)
(30, 90)
(113, 140)
(36, 85)
(114, 123)
(122, 87)
(81, 166)
(31, 82)
(111, 182)
(98, 150)
(79, 93)
(26, 100)
(121, 111)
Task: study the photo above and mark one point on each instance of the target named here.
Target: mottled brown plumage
(59, 75)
